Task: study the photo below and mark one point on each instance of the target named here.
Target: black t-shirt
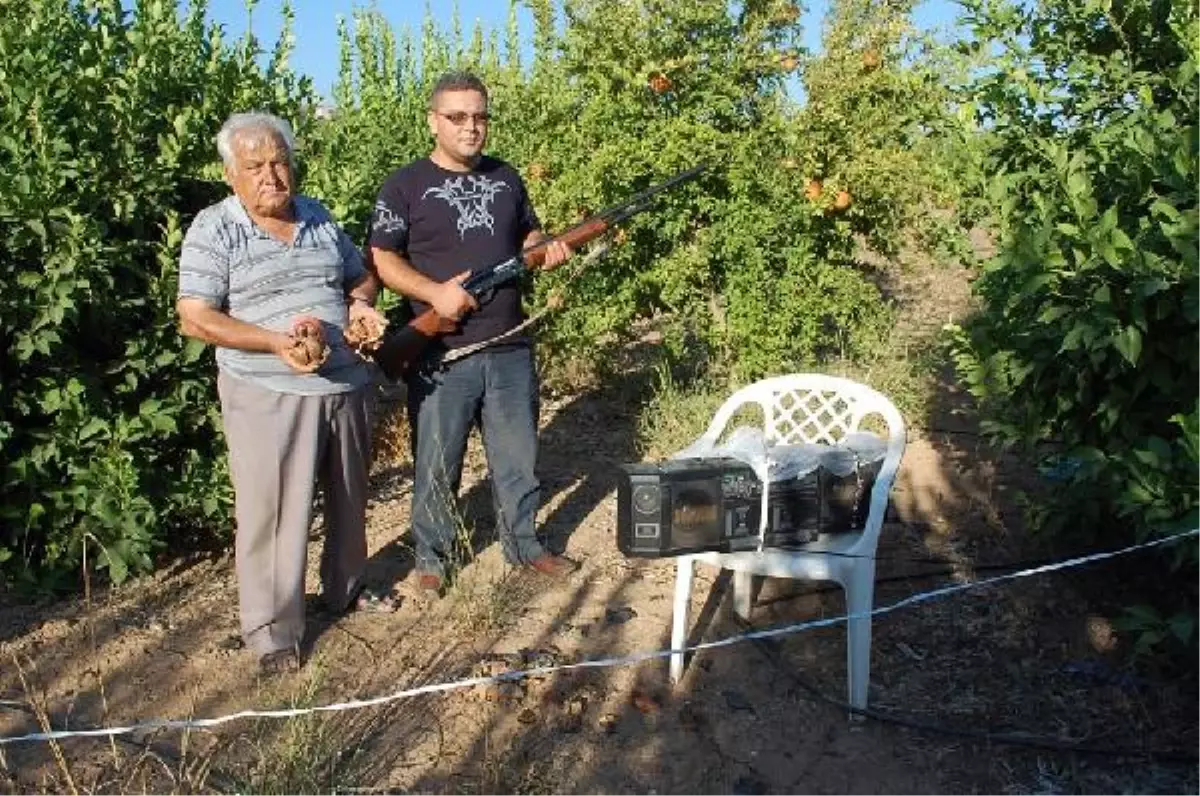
(446, 222)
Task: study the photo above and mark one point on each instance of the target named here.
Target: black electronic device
(699, 505)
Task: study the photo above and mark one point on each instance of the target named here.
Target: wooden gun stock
(574, 237)
(400, 349)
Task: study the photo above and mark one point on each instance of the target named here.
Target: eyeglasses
(459, 118)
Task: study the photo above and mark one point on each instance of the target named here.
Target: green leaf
(1147, 639)
(1078, 185)
(1033, 285)
(118, 570)
(91, 428)
(192, 350)
(1053, 313)
(1129, 342)
(1183, 164)
(164, 423)
(1073, 338)
(1192, 304)
(1160, 447)
(1121, 241)
(1148, 287)
(1166, 209)
(1141, 615)
(1107, 223)
(1157, 454)
(1183, 627)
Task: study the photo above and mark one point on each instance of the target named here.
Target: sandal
(231, 643)
(364, 600)
(369, 602)
(282, 661)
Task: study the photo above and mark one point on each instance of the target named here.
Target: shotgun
(400, 349)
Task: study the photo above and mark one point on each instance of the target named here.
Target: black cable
(771, 653)
(929, 430)
(932, 573)
(963, 432)
(1037, 562)
(1024, 563)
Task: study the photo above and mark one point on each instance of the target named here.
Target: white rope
(355, 704)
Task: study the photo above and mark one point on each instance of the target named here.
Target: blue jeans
(499, 390)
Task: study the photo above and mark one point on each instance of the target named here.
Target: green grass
(676, 415)
(905, 372)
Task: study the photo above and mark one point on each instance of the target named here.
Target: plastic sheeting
(773, 463)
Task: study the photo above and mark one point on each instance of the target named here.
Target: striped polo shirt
(232, 264)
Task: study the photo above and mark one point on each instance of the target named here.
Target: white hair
(240, 123)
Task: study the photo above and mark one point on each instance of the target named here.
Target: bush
(108, 424)
(1088, 334)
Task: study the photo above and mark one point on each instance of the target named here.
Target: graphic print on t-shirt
(471, 199)
(387, 221)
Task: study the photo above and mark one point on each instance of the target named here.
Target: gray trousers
(280, 446)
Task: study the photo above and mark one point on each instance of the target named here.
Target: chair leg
(860, 599)
(684, 568)
(743, 593)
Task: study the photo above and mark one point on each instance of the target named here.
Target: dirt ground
(1035, 659)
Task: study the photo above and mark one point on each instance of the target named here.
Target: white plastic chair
(812, 408)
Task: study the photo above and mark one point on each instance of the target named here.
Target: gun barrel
(639, 199)
(601, 222)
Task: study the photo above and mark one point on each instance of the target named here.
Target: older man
(272, 281)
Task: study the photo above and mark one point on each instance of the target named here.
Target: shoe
(429, 582)
(282, 661)
(368, 602)
(364, 601)
(558, 567)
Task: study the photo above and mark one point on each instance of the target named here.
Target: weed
(675, 416)
(390, 436)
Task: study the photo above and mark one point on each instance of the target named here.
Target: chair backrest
(815, 408)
